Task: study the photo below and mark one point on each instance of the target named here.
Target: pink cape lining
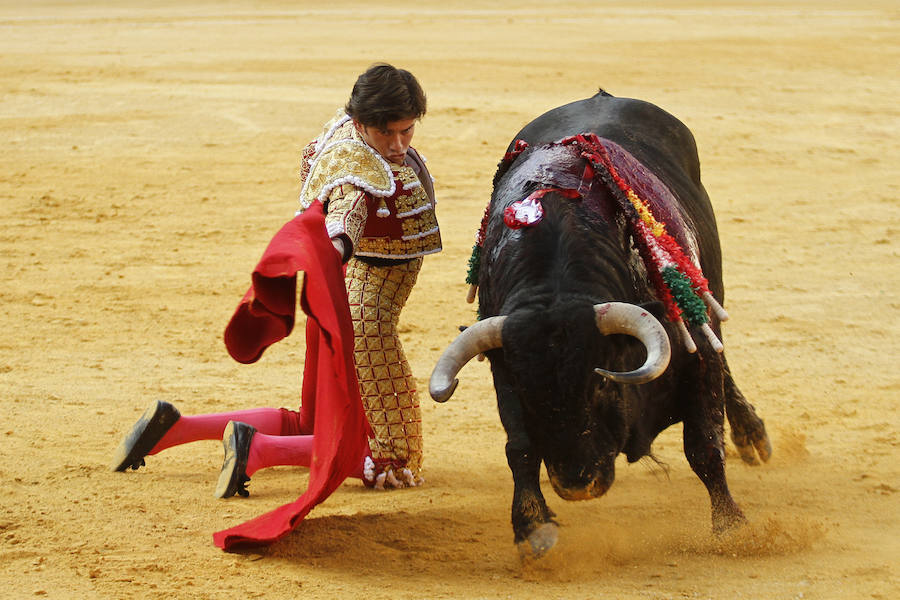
(330, 394)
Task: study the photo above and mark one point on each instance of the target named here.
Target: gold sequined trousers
(377, 294)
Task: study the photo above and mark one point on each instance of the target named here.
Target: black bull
(570, 393)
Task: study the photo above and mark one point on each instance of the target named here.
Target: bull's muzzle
(593, 489)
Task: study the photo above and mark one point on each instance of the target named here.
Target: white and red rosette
(524, 213)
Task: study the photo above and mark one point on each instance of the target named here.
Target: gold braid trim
(347, 213)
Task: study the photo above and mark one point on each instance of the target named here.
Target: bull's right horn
(482, 336)
(630, 319)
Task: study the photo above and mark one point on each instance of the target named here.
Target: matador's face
(392, 141)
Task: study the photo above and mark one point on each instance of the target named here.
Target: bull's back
(657, 139)
(651, 134)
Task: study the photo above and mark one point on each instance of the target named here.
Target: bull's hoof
(763, 446)
(539, 542)
(752, 443)
(727, 518)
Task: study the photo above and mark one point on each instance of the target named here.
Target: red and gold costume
(386, 213)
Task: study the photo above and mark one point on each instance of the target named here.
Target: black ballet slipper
(233, 477)
(145, 434)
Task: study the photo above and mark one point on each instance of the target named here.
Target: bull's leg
(748, 432)
(534, 529)
(704, 438)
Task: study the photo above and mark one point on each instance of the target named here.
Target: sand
(150, 151)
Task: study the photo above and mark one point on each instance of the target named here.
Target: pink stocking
(279, 450)
(191, 428)
(283, 450)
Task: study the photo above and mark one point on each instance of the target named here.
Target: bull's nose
(594, 489)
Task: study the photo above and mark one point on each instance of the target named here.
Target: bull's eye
(599, 383)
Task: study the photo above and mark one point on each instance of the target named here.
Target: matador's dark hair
(383, 94)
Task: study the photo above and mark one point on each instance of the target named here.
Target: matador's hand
(388, 479)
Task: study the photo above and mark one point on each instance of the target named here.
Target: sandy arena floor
(150, 151)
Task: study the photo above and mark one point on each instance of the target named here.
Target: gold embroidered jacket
(385, 209)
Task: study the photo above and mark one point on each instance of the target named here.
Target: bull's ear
(655, 308)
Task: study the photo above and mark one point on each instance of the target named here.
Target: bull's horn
(630, 319)
(480, 337)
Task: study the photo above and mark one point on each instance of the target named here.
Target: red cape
(330, 395)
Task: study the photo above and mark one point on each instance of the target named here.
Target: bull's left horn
(482, 336)
(630, 319)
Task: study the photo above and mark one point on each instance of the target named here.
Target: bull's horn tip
(602, 372)
(444, 394)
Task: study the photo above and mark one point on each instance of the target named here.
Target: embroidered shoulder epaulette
(338, 158)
